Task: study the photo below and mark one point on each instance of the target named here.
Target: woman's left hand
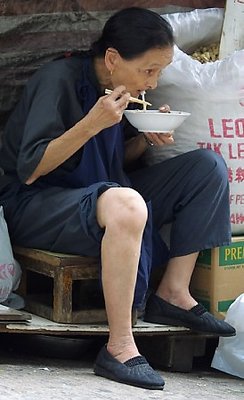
(160, 139)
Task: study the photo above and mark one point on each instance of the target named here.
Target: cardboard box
(218, 278)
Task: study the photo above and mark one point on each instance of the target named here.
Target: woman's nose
(152, 85)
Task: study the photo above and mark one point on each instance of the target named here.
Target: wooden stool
(60, 287)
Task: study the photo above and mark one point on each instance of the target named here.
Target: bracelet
(148, 142)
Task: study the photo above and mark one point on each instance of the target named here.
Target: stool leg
(62, 295)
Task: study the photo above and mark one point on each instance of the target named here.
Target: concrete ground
(31, 369)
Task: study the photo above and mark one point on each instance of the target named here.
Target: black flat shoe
(198, 319)
(135, 372)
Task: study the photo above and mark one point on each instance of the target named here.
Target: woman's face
(142, 72)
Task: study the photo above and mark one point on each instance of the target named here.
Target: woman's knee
(123, 207)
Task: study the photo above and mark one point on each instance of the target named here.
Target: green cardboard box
(218, 278)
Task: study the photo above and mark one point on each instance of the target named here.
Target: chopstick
(132, 99)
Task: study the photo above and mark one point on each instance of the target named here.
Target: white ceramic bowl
(155, 121)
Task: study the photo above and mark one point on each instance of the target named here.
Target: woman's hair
(132, 31)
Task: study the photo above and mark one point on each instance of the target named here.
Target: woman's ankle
(122, 348)
(178, 298)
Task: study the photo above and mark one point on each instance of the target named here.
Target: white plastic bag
(10, 271)
(214, 95)
(229, 355)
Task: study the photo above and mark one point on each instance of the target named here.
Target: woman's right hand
(108, 110)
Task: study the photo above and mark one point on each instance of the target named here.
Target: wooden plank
(43, 325)
(55, 259)
(9, 314)
(78, 272)
(232, 38)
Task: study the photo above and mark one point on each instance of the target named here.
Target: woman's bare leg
(174, 286)
(123, 214)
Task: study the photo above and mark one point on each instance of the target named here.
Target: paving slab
(27, 376)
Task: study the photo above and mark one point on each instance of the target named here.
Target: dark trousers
(189, 191)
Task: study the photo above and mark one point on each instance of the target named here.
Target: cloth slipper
(135, 372)
(197, 318)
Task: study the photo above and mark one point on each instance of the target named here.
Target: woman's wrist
(85, 129)
(147, 141)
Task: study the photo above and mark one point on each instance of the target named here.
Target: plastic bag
(197, 26)
(10, 271)
(214, 95)
(229, 355)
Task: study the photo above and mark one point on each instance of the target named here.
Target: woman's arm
(106, 112)
(136, 146)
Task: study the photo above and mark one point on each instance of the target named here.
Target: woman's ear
(111, 59)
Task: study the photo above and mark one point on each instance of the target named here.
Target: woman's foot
(135, 372)
(198, 319)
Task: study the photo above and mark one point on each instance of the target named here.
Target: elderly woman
(71, 184)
